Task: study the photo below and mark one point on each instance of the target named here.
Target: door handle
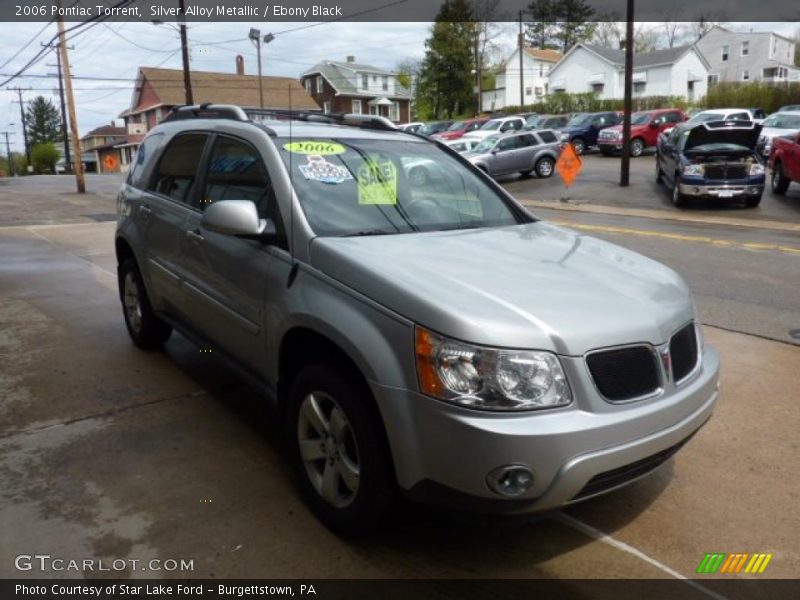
(145, 211)
(195, 237)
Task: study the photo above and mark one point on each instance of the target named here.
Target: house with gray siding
(748, 56)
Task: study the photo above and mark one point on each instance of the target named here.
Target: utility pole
(521, 44)
(8, 154)
(187, 80)
(64, 137)
(625, 165)
(73, 118)
(24, 122)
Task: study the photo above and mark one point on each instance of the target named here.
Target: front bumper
(608, 146)
(722, 190)
(447, 448)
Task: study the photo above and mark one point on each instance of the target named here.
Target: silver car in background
(780, 123)
(525, 153)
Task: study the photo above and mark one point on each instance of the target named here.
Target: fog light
(510, 480)
(753, 190)
(696, 190)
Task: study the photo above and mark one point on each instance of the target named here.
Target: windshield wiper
(366, 232)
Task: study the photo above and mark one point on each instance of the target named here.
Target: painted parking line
(681, 237)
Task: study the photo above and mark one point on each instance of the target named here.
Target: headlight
(756, 169)
(694, 170)
(488, 378)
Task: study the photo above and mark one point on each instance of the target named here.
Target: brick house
(158, 91)
(100, 151)
(351, 87)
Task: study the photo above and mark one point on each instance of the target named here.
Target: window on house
(745, 48)
(308, 86)
(597, 88)
(538, 91)
(639, 86)
(319, 84)
(326, 108)
(374, 79)
(177, 168)
(712, 79)
(385, 83)
(356, 107)
(745, 75)
(365, 82)
(394, 111)
(725, 51)
(528, 91)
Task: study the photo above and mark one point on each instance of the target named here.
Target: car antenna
(293, 270)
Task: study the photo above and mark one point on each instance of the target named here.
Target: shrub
(769, 97)
(44, 157)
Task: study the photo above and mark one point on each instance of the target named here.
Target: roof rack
(237, 113)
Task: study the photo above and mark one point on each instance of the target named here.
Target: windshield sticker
(319, 169)
(377, 182)
(317, 148)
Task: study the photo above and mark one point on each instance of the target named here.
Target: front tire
(678, 199)
(637, 147)
(659, 173)
(146, 330)
(339, 451)
(545, 167)
(579, 146)
(778, 182)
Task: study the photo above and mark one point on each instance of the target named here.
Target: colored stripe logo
(742, 562)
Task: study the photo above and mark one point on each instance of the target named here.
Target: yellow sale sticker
(377, 182)
(316, 147)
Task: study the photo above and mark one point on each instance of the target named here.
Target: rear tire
(147, 331)
(778, 182)
(545, 167)
(339, 450)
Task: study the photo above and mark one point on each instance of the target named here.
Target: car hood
(480, 134)
(450, 135)
(771, 132)
(526, 286)
(722, 132)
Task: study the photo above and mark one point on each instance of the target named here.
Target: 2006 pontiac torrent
(429, 337)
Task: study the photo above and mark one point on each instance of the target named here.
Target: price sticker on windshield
(318, 148)
(377, 183)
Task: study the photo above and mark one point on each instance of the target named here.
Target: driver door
(233, 284)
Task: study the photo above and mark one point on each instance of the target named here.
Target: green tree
(445, 78)
(407, 72)
(541, 30)
(43, 121)
(559, 24)
(44, 157)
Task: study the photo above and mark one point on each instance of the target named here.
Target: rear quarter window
(548, 137)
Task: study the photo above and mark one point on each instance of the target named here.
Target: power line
(119, 35)
(30, 41)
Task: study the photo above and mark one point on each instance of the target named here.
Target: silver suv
(517, 153)
(436, 340)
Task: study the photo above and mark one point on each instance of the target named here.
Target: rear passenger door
(232, 284)
(163, 211)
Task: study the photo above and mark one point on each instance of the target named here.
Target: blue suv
(582, 131)
(715, 160)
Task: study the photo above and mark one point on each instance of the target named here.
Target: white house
(681, 71)
(748, 56)
(536, 65)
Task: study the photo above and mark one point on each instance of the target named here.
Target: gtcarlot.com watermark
(46, 562)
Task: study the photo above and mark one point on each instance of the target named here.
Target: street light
(255, 37)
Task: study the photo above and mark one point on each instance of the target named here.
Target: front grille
(621, 475)
(624, 373)
(683, 350)
(725, 171)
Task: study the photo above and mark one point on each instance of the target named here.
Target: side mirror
(495, 150)
(654, 124)
(238, 218)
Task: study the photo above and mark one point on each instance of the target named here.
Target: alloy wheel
(328, 449)
(133, 306)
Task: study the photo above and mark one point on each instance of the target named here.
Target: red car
(459, 128)
(645, 129)
(785, 162)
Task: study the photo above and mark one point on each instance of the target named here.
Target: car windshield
(486, 145)
(702, 117)
(350, 187)
(781, 121)
(492, 125)
(458, 126)
(640, 118)
(533, 122)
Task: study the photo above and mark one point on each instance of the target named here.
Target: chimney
(239, 64)
(351, 59)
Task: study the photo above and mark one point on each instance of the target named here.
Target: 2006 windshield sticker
(377, 182)
(319, 169)
(314, 147)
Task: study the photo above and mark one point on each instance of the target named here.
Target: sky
(117, 50)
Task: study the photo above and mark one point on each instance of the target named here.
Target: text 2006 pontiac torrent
(434, 339)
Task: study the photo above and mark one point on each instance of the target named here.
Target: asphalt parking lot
(110, 452)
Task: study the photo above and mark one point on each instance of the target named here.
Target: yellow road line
(682, 237)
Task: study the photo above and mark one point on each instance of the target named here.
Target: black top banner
(386, 10)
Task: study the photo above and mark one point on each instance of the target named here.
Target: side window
(548, 137)
(673, 117)
(236, 172)
(505, 126)
(177, 169)
(527, 140)
(508, 143)
(739, 117)
(515, 125)
(146, 150)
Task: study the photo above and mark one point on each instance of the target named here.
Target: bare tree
(608, 34)
(674, 30)
(645, 39)
(485, 33)
(706, 23)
